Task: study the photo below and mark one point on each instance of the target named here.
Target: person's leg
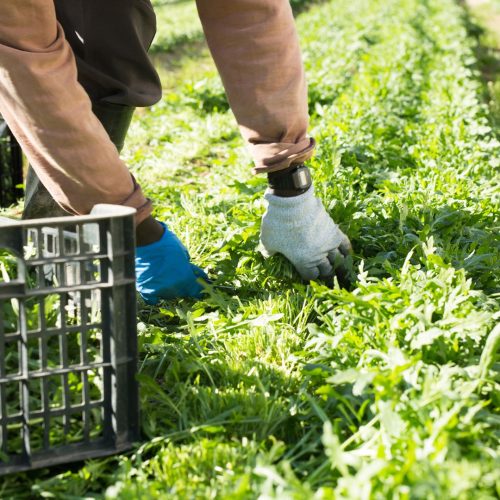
(110, 41)
(38, 203)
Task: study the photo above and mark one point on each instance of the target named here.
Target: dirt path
(489, 14)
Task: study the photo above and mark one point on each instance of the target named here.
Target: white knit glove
(300, 229)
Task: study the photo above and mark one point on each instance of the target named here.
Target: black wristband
(292, 181)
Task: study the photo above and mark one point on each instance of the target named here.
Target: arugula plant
(269, 388)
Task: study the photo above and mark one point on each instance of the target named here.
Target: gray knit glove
(300, 229)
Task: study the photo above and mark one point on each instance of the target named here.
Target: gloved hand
(299, 228)
(163, 270)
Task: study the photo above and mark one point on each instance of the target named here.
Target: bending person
(70, 79)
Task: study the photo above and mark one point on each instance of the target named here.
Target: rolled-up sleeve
(256, 49)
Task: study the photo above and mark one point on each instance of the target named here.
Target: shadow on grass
(197, 393)
(465, 239)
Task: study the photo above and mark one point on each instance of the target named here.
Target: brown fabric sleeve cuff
(278, 156)
(137, 200)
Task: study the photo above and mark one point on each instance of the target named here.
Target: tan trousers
(255, 47)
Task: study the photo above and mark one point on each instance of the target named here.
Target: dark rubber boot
(38, 203)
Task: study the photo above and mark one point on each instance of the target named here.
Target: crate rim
(99, 212)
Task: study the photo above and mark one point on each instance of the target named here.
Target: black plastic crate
(11, 167)
(68, 338)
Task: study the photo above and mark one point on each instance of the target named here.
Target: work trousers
(47, 102)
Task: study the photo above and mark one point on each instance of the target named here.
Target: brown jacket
(254, 44)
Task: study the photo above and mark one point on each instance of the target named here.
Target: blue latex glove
(163, 270)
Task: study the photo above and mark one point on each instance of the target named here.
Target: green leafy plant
(270, 388)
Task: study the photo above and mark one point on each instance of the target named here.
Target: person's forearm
(255, 46)
(51, 115)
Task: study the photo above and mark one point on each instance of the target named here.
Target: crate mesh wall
(67, 340)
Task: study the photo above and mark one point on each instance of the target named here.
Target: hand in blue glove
(163, 270)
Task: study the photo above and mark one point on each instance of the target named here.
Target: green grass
(275, 389)
(178, 24)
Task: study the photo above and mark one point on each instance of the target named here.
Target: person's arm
(256, 49)
(255, 46)
(50, 114)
